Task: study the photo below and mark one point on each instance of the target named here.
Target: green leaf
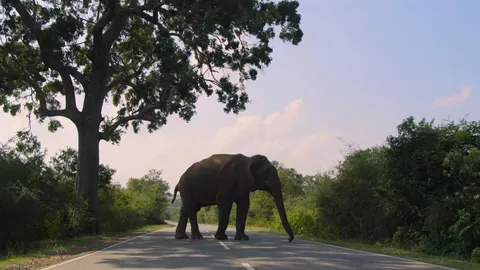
(147, 59)
(54, 125)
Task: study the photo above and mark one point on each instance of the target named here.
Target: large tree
(150, 58)
(65, 164)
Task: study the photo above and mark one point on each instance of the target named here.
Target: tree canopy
(149, 58)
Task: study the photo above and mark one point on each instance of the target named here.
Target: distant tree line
(419, 190)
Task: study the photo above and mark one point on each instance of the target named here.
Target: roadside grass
(50, 252)
(451, 262)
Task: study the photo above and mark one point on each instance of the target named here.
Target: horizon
(360, 69)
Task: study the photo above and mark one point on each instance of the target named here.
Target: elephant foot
(221, 236)
(197, 236)
(242, 237)
(181, 236)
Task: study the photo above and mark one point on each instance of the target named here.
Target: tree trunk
(88, 170)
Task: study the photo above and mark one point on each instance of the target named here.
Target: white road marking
(246, 265)
(223, 244)
(92, 253)
(69, 261)
(380, 255)
(349, 249)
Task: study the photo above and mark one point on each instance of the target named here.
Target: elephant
(221, 180)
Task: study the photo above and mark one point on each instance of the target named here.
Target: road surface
(159, 250)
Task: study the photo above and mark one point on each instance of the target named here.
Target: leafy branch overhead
(149, 58)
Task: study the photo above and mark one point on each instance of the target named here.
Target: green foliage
(355, 203)
(149, 59)
(149, 196)
(262, 207)
(433, 175)
(65, 164)
(476, 255)
(38, 202)
(67, 221)
(33, 201)
(419, 191)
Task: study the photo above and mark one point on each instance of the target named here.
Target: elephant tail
(175, 193)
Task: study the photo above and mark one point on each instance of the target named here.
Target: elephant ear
(259, 166)
(234, 175)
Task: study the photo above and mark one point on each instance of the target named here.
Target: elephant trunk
(278, 197)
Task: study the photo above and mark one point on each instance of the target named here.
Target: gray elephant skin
(221, 180)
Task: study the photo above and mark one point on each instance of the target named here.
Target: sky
(362, 67)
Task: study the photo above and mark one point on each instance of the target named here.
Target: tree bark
(88, 170)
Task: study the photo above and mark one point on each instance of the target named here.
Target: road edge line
(339, 247)
(378, 254)
(98, 251)
(359, 251)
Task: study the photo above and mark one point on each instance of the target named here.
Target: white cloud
(454, 99)
(279, 135)
(276, 135)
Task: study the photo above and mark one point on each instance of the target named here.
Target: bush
(476, 255)
(68, 221)
(37, 200)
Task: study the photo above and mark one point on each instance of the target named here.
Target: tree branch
(113, 32)
(106, 18)
(47, 55)
(70, 102)
(101, 49)
(78, 76)
(49, 58)
(141, 114)
(138, 11)
(126, 80)
(40, 95)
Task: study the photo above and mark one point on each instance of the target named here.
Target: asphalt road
(159, 250)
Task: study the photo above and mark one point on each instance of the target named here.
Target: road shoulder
(382, 250)
(54, 252)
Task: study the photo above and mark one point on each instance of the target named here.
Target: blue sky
(362, 67)
(362, 58)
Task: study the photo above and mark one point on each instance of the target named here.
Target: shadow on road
(161, 251)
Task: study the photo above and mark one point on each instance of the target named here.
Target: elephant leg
(192, 215)
(223, 219)
(242, 211)
(182, 223)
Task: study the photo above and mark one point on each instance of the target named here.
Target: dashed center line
(246, 265)
(223, 244)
